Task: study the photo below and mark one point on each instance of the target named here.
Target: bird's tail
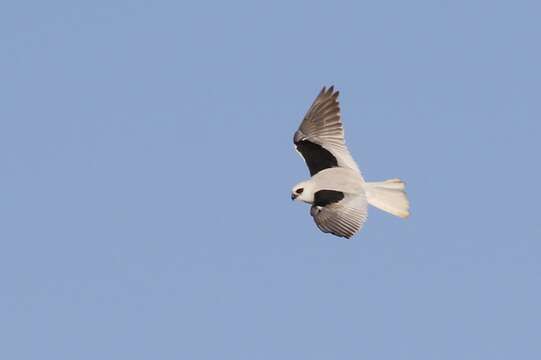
(389, 196)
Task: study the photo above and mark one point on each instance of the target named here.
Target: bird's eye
(299, 191)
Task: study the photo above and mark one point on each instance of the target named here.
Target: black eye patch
(299, 191)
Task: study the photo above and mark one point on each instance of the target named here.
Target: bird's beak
(293, 196)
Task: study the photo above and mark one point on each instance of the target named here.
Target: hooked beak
(293, 196)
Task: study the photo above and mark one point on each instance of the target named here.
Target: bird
(337, 192)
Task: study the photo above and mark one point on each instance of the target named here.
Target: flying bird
(337, 191)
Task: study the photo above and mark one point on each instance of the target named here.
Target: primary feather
(320, 137)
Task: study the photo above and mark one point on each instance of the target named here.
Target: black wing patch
(316, 156)
(326, 197)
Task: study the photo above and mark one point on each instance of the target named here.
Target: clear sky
(147, 161)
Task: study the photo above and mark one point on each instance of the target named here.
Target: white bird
(337, 191)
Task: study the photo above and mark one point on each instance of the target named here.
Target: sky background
(147, 161)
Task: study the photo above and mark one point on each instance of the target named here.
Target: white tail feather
(389, 196)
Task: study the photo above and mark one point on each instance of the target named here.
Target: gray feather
(344, 218)
(322, 126)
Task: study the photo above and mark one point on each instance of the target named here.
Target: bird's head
(303, 191)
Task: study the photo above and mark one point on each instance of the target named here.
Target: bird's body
(337, 191)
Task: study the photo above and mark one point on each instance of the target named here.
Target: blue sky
(147, 164)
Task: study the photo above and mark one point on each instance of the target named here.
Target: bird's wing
(320, 137)
(338, 213)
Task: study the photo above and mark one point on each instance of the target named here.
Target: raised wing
(338, 213)
(320, 137)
